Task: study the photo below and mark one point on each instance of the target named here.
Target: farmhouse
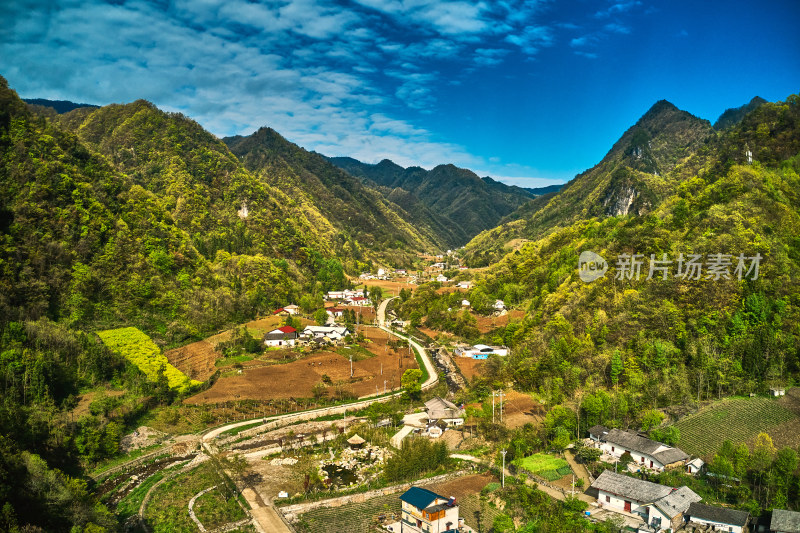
(442, 278)
(645, 452)
(345, 294)
(357, 300)
(784, 521)
(499, 305)
(323, 334)
(481, 351)
(694, 466)
(334, 312)
(716, 518)
(283, 336)
(424, 511)
(659, 506)
(464, 284)
(444, 411)
(598, 433)
(777, 391)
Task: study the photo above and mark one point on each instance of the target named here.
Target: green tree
(321, 317)
(410, 382)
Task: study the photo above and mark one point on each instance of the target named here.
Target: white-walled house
(445, 411)
(442, 278)
(694, 466)
(659, 506)
(717, 518)
(481, 351)
(282, 336)
(645, 452)
(423, 511)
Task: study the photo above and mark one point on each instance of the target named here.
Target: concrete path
(579, 469)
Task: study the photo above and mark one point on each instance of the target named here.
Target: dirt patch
(141, 437)
(491, 322)
(296, 379)
(469, 367)
(462, 486)
(520, 409)
(391, 287)
(453, 438)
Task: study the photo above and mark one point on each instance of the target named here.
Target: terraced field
(740, 420)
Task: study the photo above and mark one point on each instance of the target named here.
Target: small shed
(356, 442)
(777, 391)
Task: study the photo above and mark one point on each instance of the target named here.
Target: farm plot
(738, 420)
(139, 349)
(546, 466)
(296, 379)
(469, 367)
(520, 409)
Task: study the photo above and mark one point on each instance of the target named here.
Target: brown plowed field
(469, 367)
(296, 379)
(519, 409)
(197, 360)
(488, 323)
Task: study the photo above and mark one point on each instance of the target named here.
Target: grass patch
(226, 361)
(359, 352)
(139, 349)
(168, 509)
(129, 505)
(237, 430)
(543, 465)
(213, 510)
(734, 419)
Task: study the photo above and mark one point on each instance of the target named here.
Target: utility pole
(384, 386)
(493, 395)
(351, 365)
(503, 482)
(501, 394)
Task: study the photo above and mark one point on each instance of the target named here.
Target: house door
(627, 506)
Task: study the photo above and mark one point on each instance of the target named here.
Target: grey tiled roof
(598, 430)
(632, 442)
(629, 487)
(717, 514)
(677, 501)
(785, 521)
(673, 455)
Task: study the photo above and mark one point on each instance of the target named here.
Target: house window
(612, 448)
(651, 464)
(608, 499)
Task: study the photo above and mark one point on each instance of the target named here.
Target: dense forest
(655, 339)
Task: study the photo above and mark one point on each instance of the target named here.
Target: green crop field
(140, 350)
(549, 467)
(736, 419)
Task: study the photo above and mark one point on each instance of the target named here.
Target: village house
(464, 284)
(423, 511)
(499, 305)
(287, 310)
(695, 466)
(345, 294)
(646, 453)
(710, 518)
(784, 521)
(481, 351)
(359, 301)
(334, 312)
(465, 303)
(442, 278)
(444, 411)
(325, 334)
(282, 336)
(660, 507)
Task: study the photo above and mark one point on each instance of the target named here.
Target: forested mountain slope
(632, 178)
(456, 199)
(670, 339)
(359, 214)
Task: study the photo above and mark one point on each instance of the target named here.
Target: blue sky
(529, 92)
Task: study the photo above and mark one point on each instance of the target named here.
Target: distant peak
(661, 106)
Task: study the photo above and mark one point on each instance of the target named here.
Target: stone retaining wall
(291, 511)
